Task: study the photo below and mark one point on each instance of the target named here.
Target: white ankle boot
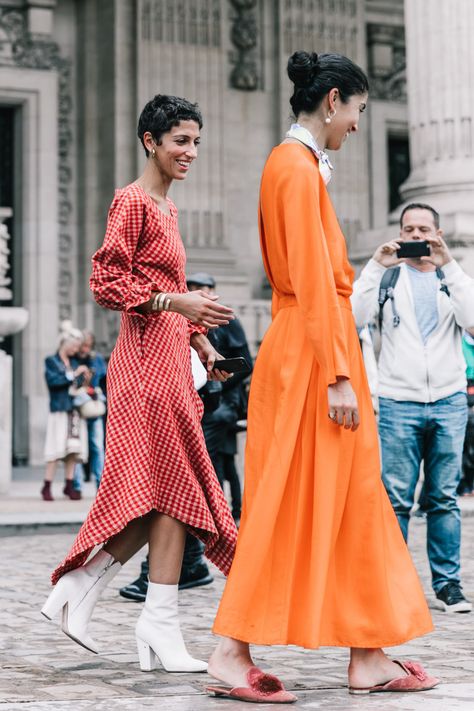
(159, 635)
(76, 593)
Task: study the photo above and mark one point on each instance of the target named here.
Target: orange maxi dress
(320, 557)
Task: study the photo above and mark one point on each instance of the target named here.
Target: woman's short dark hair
(315, 75)
(162, 113)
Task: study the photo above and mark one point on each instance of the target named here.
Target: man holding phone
(422, 382)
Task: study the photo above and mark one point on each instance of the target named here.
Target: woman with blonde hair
(66, 432)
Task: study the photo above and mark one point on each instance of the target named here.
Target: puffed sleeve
(113, 281)
(311, 272)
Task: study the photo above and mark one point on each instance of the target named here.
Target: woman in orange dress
(320, 557)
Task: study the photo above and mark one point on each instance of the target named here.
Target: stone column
(12, 320)
(6, 386)
(440, 61)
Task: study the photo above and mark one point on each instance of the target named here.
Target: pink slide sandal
(414, 679)
(262, 688)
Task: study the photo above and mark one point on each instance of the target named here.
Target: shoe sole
(196, 583)
(65, 630)
(366, 692)
(136, 597)
(460, 607)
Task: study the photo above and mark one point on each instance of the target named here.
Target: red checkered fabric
(156, 456)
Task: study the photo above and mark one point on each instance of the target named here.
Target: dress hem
(371, 643)
(81, 556)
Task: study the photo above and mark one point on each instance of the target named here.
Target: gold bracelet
(154, 303)
(161, 301)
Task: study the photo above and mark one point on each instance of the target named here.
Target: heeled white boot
(76, 593)
(159, 635)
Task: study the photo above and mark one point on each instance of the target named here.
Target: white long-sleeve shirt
(410, 370)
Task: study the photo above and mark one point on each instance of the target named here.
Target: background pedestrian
(66, 432)
(422, 385)
(97, 366)
(466, 485)
(220, 425)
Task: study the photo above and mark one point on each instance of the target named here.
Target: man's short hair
(420, 206)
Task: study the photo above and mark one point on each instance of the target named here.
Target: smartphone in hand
(232, 365)
(414, 249)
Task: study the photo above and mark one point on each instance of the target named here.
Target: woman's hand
(201, 308)
(80, 370)
(342, 405)
(208, 356)
(87, 378)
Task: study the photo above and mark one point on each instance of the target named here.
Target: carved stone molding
(18, 48)
(202, 229)
(387, 62)
(246, 74)
(5, 281)
(322, 25)
(192, 22)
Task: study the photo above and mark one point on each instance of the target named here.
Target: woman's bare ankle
(368, 667)
(230, 661)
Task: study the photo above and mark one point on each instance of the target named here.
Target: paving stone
(42, 669)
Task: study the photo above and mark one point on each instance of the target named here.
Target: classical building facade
(74, 75)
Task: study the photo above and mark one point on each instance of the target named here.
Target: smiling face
(176, 151)
(345, 121)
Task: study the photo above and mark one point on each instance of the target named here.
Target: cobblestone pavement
(43, 669)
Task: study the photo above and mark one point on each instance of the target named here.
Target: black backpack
(386, 291)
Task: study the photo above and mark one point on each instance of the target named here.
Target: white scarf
(304, 136)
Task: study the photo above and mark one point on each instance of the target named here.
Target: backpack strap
(444, 287)
(386, 291)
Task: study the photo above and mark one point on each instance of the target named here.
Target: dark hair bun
(302, 67)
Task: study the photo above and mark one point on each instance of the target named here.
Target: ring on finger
(332, 415)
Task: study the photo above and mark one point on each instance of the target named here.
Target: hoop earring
(330, 116)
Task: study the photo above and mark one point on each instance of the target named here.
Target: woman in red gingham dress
(158, 480)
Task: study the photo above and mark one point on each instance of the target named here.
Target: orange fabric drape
(320, 557)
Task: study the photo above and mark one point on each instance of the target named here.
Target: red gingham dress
(156, 455)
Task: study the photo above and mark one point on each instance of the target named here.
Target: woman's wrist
(174, 302)
(198, 339)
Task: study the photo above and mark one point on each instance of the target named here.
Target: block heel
(146, 656)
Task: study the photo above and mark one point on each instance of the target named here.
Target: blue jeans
(412, 432)
(95, 433)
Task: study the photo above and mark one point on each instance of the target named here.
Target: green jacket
(468, 351)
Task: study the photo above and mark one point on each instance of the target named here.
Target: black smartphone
(414, 249)
(232, 365)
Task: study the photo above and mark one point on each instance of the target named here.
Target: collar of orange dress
(304, 136)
